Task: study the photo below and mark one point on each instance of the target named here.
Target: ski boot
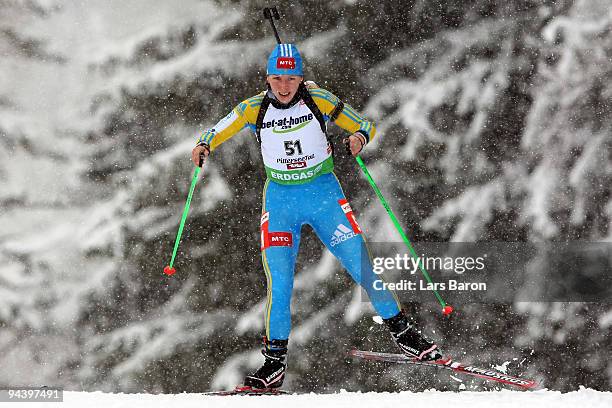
(272, 373)
(410, 340)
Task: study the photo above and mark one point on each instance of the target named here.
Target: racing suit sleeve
(348, 119)
(243, 115)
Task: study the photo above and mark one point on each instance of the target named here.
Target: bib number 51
(291, 146)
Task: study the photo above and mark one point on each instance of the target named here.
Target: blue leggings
(321, 204)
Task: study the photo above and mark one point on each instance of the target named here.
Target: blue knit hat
(285, 59)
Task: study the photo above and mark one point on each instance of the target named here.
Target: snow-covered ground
(499, 399)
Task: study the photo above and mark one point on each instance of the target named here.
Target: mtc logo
(285, 63)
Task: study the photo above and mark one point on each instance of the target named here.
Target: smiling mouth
(283, 94)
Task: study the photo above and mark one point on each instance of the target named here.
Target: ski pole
(446, 309)
(170, 270)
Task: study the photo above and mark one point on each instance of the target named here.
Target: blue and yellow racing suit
(301, 188)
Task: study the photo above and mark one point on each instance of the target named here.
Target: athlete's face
(284, 87)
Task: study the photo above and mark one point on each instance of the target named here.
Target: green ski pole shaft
(169, 270)
(447, 309)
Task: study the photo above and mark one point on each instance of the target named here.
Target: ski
(448, 364)
(250, 391)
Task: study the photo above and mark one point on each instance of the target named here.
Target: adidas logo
(341, 234)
